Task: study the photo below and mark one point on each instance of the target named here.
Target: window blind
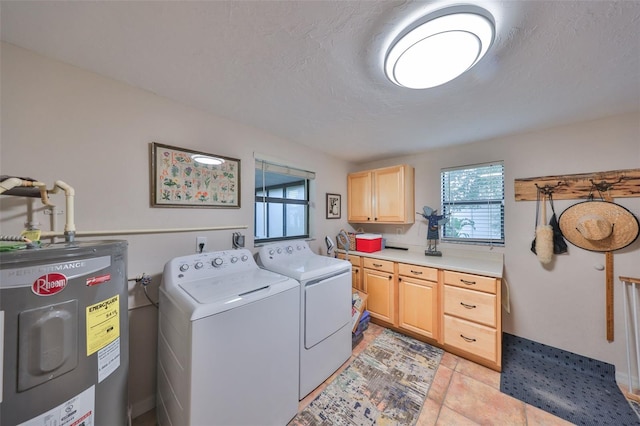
(281, 169)
(473, 202)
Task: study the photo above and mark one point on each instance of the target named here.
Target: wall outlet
(201, 244)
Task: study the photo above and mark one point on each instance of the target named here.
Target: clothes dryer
(325, 307)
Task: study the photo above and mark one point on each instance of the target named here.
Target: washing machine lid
(307, 268)
(217, 294)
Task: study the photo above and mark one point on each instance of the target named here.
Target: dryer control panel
(286, 249)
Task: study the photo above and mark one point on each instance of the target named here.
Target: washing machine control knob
(198, 265)
(234, 259)
(289, 249)
(217, 262)
(279, 250)
(184, 267)
(244, 257)
(271, 252)
(299, 248)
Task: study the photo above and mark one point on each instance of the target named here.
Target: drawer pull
(416, 272)
(468, 339)
(467, 282)
(468, 306)
(378, 265)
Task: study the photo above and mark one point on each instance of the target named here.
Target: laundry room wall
(60, 122)
(562, 305)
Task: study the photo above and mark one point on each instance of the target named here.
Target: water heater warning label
(103, 324)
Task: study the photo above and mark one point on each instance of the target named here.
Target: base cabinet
(458, 311)
(379, 284)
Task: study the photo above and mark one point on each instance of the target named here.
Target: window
(281, 202)
(473, 202)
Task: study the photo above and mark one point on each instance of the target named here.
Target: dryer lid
(305, 268)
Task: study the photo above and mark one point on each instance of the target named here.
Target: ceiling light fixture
(206, 159)
(440, 47)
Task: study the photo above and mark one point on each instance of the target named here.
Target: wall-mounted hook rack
(619, 184)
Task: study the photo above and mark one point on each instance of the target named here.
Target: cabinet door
(356, 278)
(359, 193)
(389, 195)
(356, 271)
(419, 306)
(380, 295)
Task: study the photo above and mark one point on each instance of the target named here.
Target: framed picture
(333, 206)
(186, 178)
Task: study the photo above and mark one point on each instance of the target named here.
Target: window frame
(303, 178)
(448, 204)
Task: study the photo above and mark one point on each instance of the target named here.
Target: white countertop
(470, 261)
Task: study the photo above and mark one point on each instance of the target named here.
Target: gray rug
(387, 383)
(575, 388)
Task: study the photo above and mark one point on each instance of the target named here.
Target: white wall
(562, 305)
(62, 123)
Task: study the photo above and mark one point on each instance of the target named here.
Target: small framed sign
(333, 206)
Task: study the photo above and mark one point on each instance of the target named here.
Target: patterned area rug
(573, 387)
(386, 384)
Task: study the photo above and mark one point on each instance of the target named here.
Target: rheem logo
(49, 284)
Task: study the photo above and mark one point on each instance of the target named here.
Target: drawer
(355, 260)
(470, 281)
(378, 265)
(415, 271)
(470, 337)
(470, 305)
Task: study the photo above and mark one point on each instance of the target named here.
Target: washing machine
(325, 307)
(227, 342)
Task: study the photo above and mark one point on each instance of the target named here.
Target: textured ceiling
(311, 71)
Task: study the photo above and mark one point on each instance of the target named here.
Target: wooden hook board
(624, 184)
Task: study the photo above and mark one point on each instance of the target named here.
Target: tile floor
(462, 393)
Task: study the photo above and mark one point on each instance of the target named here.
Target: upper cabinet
(381, 195)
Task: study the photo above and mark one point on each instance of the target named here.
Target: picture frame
(334, 206)
(179, 180)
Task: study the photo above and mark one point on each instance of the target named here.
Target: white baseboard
(140, 407)
(623, 381)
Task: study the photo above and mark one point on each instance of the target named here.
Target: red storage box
(368, 243)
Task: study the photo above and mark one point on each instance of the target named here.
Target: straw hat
(599, 226)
